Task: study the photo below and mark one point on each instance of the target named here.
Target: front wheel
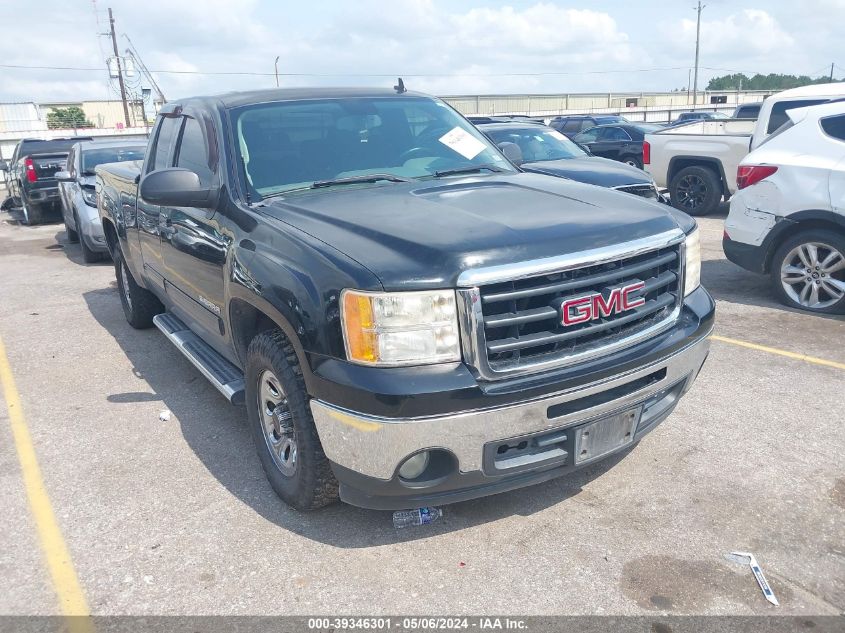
(282, 426)
(696, 190)
(89, 256)
(808, 272)
(139, 304)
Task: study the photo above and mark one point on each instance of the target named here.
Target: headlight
(692, 269)
(90, 196)
(400, 328)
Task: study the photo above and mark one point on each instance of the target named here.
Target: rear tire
(282, 426)
(32, 213)
(139, 304)
(633, 161)
(808, 272)
(696, 190)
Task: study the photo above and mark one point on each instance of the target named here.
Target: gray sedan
(79, 200)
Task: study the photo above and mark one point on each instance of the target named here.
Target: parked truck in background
(698, 162)
(30, 176)
(408, 318)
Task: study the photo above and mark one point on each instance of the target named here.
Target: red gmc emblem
(596, 306)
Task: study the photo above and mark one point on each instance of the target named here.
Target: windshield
(291, 145)
(93, 157)
(538, 143)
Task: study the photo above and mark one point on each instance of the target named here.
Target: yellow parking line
(56, 554)
(780, 352)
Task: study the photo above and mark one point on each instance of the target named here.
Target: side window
(163, 142)
(834, 126)
(572, 125)
(614, 134)
(778, 115)
(192, 153)
(590, 136)
(69, 164)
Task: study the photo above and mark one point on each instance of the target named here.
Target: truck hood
(592, 170)
(424, 234)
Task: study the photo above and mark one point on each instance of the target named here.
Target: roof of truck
(236, 99)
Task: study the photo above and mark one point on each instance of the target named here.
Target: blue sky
(439, 46)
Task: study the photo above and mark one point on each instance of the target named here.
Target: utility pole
(697, 39)
(276, 66)
(831, 72)
(689, 82)
(119, 70)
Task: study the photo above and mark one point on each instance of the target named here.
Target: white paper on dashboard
(462, 142)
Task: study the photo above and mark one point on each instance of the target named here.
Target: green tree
(772, 81)
(70, 117)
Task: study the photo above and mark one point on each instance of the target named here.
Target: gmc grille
(522, 320)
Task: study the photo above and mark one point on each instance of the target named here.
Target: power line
(390, 75)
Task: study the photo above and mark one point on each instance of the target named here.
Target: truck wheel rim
(124, 281)
(692, 190)
(813, 275)
(277, 423)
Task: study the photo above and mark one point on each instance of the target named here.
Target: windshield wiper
(351, 180)
(469, 169)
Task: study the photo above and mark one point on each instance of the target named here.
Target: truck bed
(718, 144)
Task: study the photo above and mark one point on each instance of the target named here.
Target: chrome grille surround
(471, 285)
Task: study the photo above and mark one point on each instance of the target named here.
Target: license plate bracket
(605, 435)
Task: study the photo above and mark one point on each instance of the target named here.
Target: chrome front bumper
(375, 446)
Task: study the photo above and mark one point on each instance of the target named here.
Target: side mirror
(4, 166)
(176, 187)
(512, 152)
(63, 176)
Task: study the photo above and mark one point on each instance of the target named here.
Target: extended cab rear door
(159, 156)
(194, 241)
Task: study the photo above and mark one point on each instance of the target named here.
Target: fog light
(414, 466)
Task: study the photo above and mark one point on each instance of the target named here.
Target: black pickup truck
(408, 318)
(30, 176)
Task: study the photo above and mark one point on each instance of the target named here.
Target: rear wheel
(32, 213)
(808, 272)
(696, 190)
(282, 426)
(633, 161)
(139, 304)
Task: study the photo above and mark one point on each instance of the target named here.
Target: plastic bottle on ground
(419, 516)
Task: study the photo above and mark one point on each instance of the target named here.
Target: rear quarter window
(834, 126)
(778, 115)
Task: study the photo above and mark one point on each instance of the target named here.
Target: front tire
(89, 256)
(72, 236)
(139, 304)
(808, 272)
(696, 190)
(282, 426)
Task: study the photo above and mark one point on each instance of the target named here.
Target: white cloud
(469, 46)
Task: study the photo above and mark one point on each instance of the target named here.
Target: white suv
(787, 218)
